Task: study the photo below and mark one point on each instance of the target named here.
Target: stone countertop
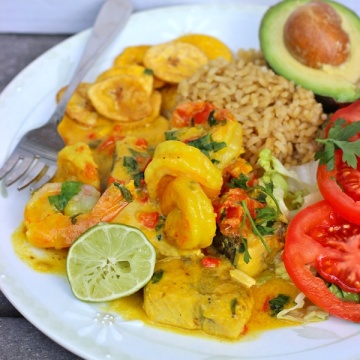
(20, 340)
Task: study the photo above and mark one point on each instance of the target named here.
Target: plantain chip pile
(139, 89)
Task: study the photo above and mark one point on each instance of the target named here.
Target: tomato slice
(349, 180)
(341, 186)
(350, 113)
(319, 239)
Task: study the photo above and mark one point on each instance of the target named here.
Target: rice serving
(275, 113)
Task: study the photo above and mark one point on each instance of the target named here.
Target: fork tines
(28, 169)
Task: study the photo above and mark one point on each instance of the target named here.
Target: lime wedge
(109, 261)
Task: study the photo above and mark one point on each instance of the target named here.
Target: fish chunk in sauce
(186, 294)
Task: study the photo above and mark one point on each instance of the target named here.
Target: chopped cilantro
(171, 135)
(233, 304)
(157, 276)
(240, 182)
(243, 248)
(254, 225)
(68, 190)
(277, 304)
(211, 119)
(206, 144)
(130, 164)
(137, 177)
(124, 191)
(148, 71)
(160, 223)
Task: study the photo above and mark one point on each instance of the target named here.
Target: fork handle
(111, 19)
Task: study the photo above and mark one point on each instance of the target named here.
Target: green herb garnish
(338, 139)
(233, 304)
(277, 304)
(68, 190)
(254, 225)
(130, 164)
(265, 217)
(124, 191)
(157, 276)
(148, 71)
(171, 135)
(240, 182)
(243, 248)
(206, 144)
(211, 119)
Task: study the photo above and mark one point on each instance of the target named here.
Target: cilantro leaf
(206, 144)
(338, 139)
(157, 276)
(253, 225)
(148, 71)
(68, 190)
(171, 135)
(233, 304)
(243, 248)
(124, 191)
(211, 119)
(351, 150)
(239, 182)
(130, 164)
(277, 304)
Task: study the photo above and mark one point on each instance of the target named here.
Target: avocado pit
(314, 36)
(315, 44)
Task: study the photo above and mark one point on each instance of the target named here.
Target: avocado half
(337, 84)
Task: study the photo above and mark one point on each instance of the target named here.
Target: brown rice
(273, 111)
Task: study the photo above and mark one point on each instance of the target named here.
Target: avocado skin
(330, 90)
(329, 104)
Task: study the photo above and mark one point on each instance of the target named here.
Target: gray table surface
(20, 340)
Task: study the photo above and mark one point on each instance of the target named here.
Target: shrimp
(190, 217)
(173, 158)
(76, 162)
(49, 227)
(230, 132)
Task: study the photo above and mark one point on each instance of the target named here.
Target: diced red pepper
(149, 219)
(141, 143)
(210, 262)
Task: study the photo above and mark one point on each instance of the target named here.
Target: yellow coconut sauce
(53, 261)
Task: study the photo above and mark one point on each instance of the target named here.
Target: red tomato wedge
(320, 241)
(341, 186)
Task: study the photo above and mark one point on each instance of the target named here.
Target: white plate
(46, 300)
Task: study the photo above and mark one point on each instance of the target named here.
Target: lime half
(109, 261)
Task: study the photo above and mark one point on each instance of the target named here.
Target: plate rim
(6, 290)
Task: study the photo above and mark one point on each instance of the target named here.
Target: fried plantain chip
(155, 102)
(121, 98)
(79, 107)
(132, 55)
(136, 70)
(211, 46)
(174, 61)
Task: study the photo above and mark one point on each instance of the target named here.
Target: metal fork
(34, 157)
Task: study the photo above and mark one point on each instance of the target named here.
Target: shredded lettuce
(294, 188)
(280, 270)
(344, 295)
(302, 313)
